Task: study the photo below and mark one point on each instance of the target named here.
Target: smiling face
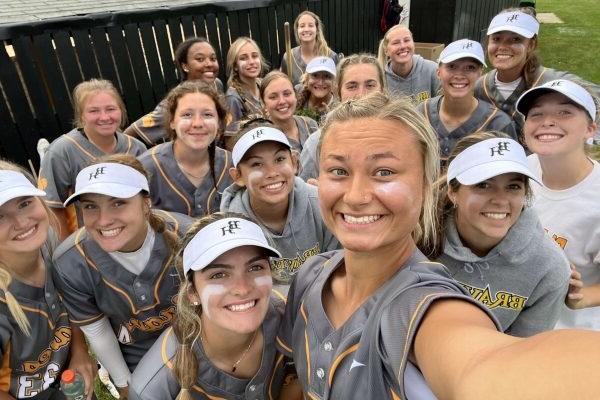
(195, 121)
(555, 127)
(267, 171)
(201, 62)
(320, 84)
(458, 77)
(115, 224)
(307, 29)
(371, 183)
(101, 115)
(487, 210)
(234, 290)
(247, 61)
(24, 226)
(401, 46)
(280, 100)
(507, 51)
(359, 80)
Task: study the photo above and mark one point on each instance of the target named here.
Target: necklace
(235, 364)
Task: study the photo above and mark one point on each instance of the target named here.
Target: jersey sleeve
(234, 105)
(150, 128)
(54, 177)
(153, 377)
(77, 291)
(5, 333)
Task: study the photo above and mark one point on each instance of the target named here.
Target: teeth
(274, 186)
(548, 137)
(242, 307)
(503, 56)
(496, 215)
(367, 219)
(25, 235)
(458, 85)
(110, 232)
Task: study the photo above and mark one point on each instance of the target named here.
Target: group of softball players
(350, 227)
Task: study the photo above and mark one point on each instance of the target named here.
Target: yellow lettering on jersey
(285, 268)
(152, 324)
(421, 96)
(501, 299)
(62, 338)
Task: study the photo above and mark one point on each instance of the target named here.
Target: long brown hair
(321, 46)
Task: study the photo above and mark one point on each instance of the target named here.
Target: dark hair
(445, 208)
(181, 53)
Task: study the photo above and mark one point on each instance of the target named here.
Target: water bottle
(72, 385)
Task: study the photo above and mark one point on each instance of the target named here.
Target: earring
(186, 70)
(195, 303)
(454, 205)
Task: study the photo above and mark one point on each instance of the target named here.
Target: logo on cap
(230, 227)
(499, 149)
(556, 83)
(257, 134)
(512, 18)
(467, 45)
(99, 171)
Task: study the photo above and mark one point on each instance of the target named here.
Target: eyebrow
(229, 266)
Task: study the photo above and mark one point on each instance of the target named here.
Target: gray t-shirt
(420, 84)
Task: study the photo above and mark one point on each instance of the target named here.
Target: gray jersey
(171, 190)
(420, 84)
(306, 126)
(367, 357)
(241, 105)
(304, 233)
(484, 118)
(486, 90)
(152, 128)
(309, 158)
(523, 280)
(298, 64)
(153, 379)
(69, 154)
(31, 364)
(93, 285)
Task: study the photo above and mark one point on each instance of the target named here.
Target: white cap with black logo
(489, 158)
(321, 64)
(515, 21)
(463, 48)
(219, 237)
(14, 184)
(255, 136)
(110, 179)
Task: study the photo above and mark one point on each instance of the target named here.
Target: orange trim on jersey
(488, 120)
(339, 359)
(408, 331)
(141, 134)
(214, 189)
(157, 163)
(5, 370)
(163, 348)
(129, 143)
(87, 321)
(394, 395)
(280, 295)
(159, 281)
(286, 347)
(33, 310)
(306, 349)
(279, 360)
(312, 396)
(485, 89)
(84, 151)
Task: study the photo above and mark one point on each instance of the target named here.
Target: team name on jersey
(289, 266)
(62, 338)
(502, 299)
(421, 96)
(562, 241)
(151, 324)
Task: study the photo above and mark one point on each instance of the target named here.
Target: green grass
(572, 46)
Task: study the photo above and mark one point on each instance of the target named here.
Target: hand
(575, 299)
(82, 362)
(313, 181)
(123, 392)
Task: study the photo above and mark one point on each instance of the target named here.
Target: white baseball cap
(515, 21)
(463, 48)
(255, 136)
(219, 237)
(321, 64)
(14, 184)
(489, 158)
(569, 89)
(110, 179)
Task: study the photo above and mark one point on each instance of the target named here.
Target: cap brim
(526, 101)
(321, 70)
(211, 255)
(20, 191)
(511, 28)
(116, 190)
(480, 173)
(458, 56)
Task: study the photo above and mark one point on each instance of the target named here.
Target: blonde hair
(358, 59)
(379, 106)
(187, 324)
(5, 274)
(156, 222)
(82, 92)
(383, 43)
(321, 48)
(232, 55)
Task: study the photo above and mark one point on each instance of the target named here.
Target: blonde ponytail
(13, 305)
